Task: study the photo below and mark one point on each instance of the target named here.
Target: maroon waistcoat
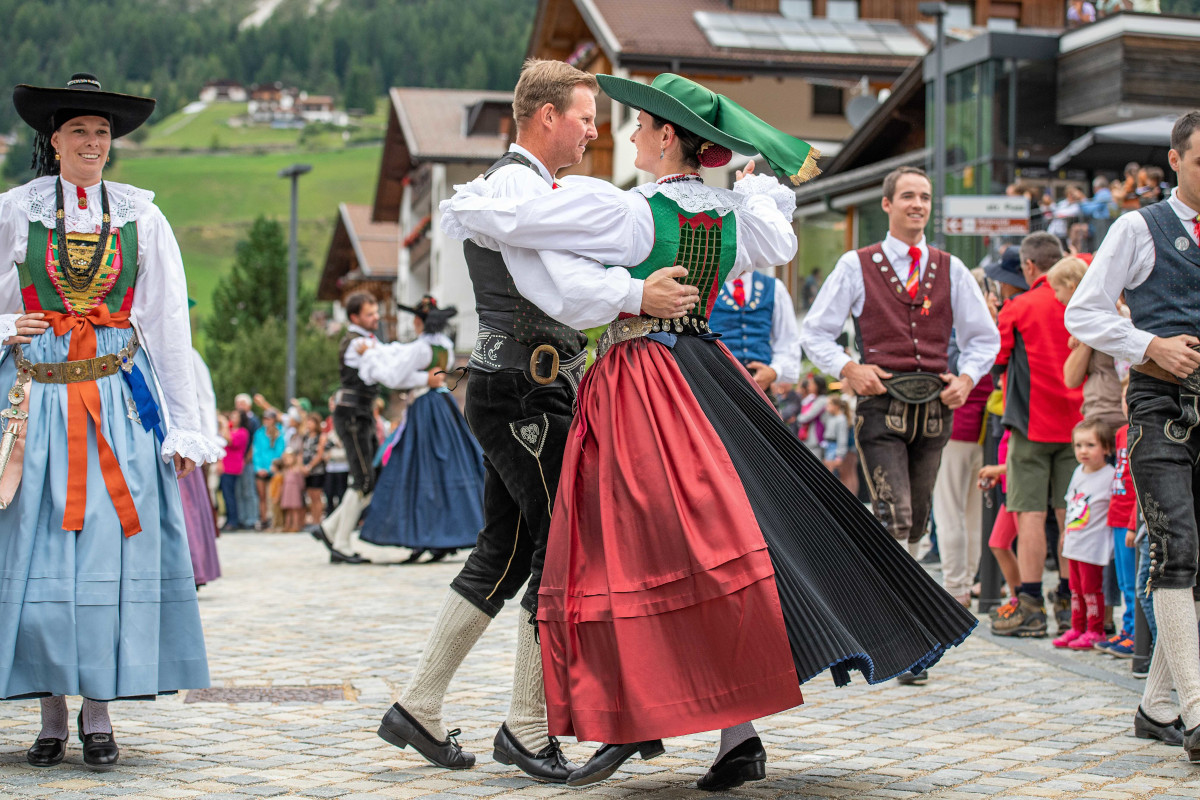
(898, 332)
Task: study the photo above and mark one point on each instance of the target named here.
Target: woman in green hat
(702, 563)
(95, 575)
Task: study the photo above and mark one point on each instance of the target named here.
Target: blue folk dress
(94, 601)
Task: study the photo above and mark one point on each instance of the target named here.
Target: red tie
(1196, 227)
(914, 275)
(739, 294)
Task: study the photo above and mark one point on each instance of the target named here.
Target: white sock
(347, 516)
(54, 718)
(732, 737)
(457, 628)
(1178, 640)
(95, 717)
(527, 709)
(1157, 703)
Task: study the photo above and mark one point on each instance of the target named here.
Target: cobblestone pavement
(993, 720)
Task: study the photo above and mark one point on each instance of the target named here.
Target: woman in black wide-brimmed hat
(96, 588)
(702, 563)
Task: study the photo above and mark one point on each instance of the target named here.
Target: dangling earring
(660, 153)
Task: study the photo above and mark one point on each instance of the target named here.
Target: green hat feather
(718, 119)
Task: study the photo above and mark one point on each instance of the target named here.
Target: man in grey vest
(1152, 256)
(524, 374)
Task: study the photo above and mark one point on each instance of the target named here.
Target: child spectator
(1087, 541)
(1122, 518)
(291, 493)
(812, 409)
(1096, 372)
(837, 433)
(273, 495)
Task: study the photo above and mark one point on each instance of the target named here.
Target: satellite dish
(859, 108)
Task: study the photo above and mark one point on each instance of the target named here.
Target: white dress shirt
(785, 334)
(843, 294)
(160, 308)
(588, 223)
(1124, 261)
(398, 365)
(573, 292)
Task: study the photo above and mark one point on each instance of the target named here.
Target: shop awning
(1112, 146)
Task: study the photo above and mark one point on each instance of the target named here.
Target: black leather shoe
(413, 557)
(1191, 743)
(746, 762)
(46, 752)
(438, 555)
(336, 557)
(400, 729)
(909, 679)
(100, 751)
(609, 758)
(1146, 728)
(318, 533)
(548, 765)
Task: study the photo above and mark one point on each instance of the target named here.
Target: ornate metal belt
(89, 369)
(622, 330)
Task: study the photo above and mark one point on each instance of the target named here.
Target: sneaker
(1068, 637)
(1110, 641)
(1122, 649)
(1062, 612)
(1004, 610)
(931, 557)
(1140, 672)
(1085, 641)
(1028, 618)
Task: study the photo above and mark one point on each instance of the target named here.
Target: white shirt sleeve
(396, 365)
(978, 337)
(206, 397)
(160, 312)
(841, 295)
(14, 240)
(1124, 261)
(765, 237)
(785, 336)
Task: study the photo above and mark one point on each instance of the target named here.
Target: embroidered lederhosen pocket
(896, 418)
(935, 418)
(1180, 430)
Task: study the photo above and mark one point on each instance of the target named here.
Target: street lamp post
(294, 172)
(938, 11)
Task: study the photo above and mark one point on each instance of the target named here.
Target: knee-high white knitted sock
(95, 717)
(457, 628)
(732, 737)
(54, 718)
(1156, 696)
(1178, 640)
(527, 709)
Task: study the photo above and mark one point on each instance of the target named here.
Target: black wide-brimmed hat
(46, 108)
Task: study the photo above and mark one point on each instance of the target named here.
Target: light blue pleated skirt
(94, 613)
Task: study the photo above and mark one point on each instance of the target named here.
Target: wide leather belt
(543, 364)
(88, 369)
(914, 387)
(348, 398)
(1191, 383)
(623, 330)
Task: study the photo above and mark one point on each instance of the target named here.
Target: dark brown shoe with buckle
(548, 764)
(400, 729)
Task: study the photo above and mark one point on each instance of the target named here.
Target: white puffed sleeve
(396, 365)
(765, 237)
(14, 239)
(160, 315)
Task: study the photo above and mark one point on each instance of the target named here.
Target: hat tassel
(808, 170)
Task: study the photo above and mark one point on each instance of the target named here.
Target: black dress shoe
(100, 751)
(46, 752)
(438, 555)
(400, 729)
(609, 758)
(746, 762)
(413, 556)
(911, 679)
(548, 764)
(1146, 728)
(337, 557)
(318, 533)
(1191, 743)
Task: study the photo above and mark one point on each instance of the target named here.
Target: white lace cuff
(8, 326)
(451, 226)
(191, 444)
(785, 198)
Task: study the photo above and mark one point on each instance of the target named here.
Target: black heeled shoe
(100, 751)
(746, 762)
(46, 752)
(609, 758)
(400, 729)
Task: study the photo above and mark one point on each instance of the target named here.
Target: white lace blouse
(587, 223)
(160, 307)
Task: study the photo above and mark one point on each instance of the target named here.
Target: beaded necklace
(76, 276)
(681, 177)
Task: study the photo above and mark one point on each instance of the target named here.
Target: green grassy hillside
(211, 199)
(215, 128)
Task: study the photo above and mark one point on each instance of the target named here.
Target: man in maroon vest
(906, 299)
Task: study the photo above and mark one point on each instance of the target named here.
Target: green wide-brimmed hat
(718, 119)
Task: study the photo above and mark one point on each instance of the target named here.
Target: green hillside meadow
(211, 199)
(211, 129)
